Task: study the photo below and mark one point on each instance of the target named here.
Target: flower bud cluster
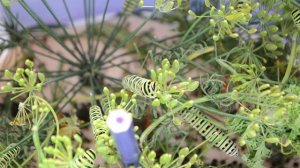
(27, 79)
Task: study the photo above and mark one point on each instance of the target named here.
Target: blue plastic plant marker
(197, 6)
(120, 124)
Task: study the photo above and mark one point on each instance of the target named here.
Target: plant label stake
(120, 124)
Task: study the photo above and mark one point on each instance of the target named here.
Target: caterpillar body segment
(207, 129)
(140, 86)
(86, 160)
(7, 157)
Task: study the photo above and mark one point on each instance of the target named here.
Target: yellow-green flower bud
(153, 75)
(152, 156)
(29, 63)
(271, 47)
(184, 151)
(7, 74)
(165, 159)
(155, 102)
(175, 66)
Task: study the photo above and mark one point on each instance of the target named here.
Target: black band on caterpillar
(296, 17)
(86, 160)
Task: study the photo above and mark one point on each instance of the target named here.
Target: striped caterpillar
(207, 129)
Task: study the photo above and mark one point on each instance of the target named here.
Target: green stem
(154, 125)
(292, 58)
(225, 65)
(215, 111)
(52, 111)
(37, 144)
(190, 29)
(93, 90)
(34, 153)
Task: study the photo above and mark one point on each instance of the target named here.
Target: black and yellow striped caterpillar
(239, 5)
(7, 157)
(296, 17)
(86, 160)
(97, 122)
(243, 7)
(207, 129)
(129, 6)
(140, 86)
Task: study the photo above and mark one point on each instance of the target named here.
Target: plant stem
(292, 58)
(34, 153)
(36, 141)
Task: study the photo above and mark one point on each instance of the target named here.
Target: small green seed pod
(193, 159)
(7, 74)
(271, 47)
(212, 22)
(256, 127)
(165, 159)
(220, 13)
(188, 104)
(242, 142)
(256, 111)
(39, 87)
(191, 13)
(263, 33)
(41, 77)
(212, 11)
(184, 151)
(193, 86)
(172, 103)
(273, 29)
(155, 102)
(251, 31)
(166, 66)
(261, 14)
(272, 140)
(216, 37)
(251, 133)
(160, 78)
(234, 35)
(29, 63)
(263, 87)
(152, 155)
(106, 91)
(153, 75)
(175, 66)
(171, 74)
